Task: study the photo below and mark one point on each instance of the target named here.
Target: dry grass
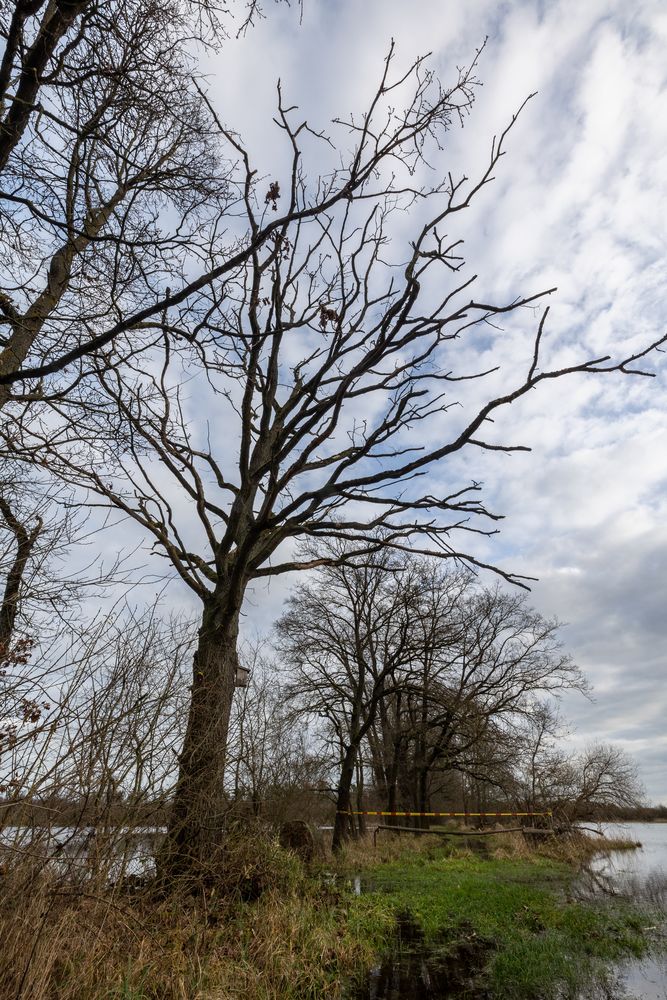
(89, 949)
(390, 847)
(574, 847)
(577, 847)
(268, 931)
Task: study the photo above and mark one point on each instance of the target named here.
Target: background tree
(89, 727)
(37, 531)
(398, 739)
(423, 668)
(589, 784)
(539, 775)
(347, 637)
(273, 768)
(487, 659)
(604, 776)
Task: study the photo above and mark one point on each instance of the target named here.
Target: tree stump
(295, 836)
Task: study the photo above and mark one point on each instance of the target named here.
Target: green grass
(304, 935)
(544, 943)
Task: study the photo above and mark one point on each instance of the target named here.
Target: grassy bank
(269, 930)
(533, 937)
(265, 929)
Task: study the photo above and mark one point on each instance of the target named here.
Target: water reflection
(641, 876)
(415, 970)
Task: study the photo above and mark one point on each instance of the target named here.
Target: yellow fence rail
(450, 815)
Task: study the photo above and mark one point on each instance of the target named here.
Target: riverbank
(504, 921)
(272, 930)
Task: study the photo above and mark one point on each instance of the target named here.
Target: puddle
(360, 884)
(414, 969)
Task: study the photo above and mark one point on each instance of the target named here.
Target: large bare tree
(318, 394)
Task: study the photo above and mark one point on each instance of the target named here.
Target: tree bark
(424, 797)
(196, 823)
(25, 541)
(343, 799)
(58, 17)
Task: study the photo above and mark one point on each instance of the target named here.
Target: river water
(641, 875)
(76, 852)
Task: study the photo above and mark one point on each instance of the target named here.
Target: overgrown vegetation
(262, 375)
(272, 929)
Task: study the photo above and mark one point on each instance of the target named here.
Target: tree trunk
(392, 783)
(361, 825)
(422, 766)
(343, 799)
(424, 797)
(464, 793)
(379, 767)
(25, 541)
(196, 823)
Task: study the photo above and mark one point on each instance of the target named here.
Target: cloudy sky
(580, 202)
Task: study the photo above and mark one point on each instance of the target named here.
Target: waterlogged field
(640, 876)
(510, 928)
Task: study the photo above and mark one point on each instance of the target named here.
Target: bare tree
(24, 536)
(484, 663)
(348, 639)
(36, 532)
(50, 564)
(605, 776)
(408, 716)
(328, 371)
(544, 773)
(428, 670)
(272, 766)
(109, 178)
(90, 722)
(539, 769)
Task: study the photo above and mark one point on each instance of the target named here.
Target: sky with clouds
(579, 202)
